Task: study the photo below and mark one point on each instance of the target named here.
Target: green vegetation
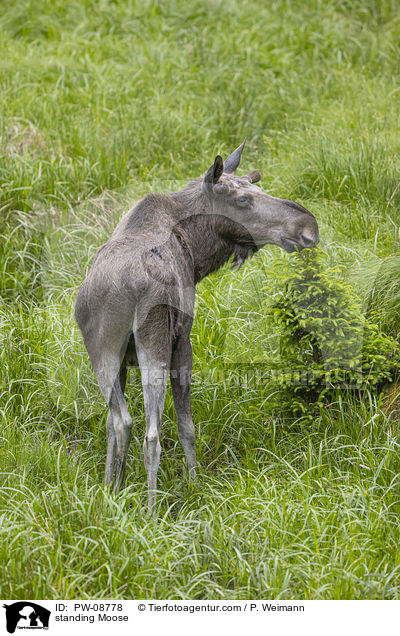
(325, 341)
(101, 102)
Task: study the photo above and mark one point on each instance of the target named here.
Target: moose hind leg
(154, 396)
(122, 422)
(111, 379)
(181, 369)
(111, 435)
(154, 372)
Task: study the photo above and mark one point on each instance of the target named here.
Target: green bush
(325, 341)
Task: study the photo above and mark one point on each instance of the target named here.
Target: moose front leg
(181, 376)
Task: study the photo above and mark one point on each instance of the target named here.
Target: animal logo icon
(26, 615)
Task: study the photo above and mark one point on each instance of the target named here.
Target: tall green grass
(101, 102)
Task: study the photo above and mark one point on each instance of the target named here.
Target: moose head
(256, 218)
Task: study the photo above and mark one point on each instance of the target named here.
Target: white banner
(177, 617)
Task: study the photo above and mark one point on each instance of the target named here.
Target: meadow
(101, 102)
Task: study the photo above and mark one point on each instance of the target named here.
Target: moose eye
(243, 201)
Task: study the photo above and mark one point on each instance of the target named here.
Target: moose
(136, 305)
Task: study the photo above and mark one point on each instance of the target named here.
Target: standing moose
(136, 305)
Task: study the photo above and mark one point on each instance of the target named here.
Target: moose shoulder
(136, 304)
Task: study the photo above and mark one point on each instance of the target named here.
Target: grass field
(101, 102)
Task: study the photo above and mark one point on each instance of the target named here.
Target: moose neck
(208, 249)
(209, 237)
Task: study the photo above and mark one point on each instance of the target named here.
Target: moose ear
(213, 173)
(233, 161)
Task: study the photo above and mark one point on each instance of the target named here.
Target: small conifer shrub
(326, 342)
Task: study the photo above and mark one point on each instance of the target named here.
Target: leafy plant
(326, 342)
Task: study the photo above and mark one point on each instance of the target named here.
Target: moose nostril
(307, 240)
